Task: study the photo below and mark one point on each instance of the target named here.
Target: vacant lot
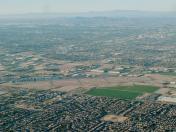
(88, 83)
(123, 92)
(114, 118)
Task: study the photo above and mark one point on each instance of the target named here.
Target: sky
(62, 6)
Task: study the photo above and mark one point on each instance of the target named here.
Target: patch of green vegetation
(122, 92)
(113, 93)
(165, 73)
(135, 88)
(168, 73)
(106, 70)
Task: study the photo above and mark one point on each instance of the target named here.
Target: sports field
(122, 92)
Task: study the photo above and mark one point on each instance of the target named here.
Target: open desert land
(87, 83)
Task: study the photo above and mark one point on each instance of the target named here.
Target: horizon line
(84, 12)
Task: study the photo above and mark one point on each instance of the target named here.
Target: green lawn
(122, 92)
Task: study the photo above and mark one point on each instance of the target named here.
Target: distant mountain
(124, 13)
(115, 13)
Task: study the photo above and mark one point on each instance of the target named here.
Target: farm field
(122, 92)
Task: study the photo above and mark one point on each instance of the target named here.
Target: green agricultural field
(122, 92)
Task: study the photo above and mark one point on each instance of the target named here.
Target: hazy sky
(30, 6)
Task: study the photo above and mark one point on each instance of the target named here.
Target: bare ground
(114, 118)
(73, 84)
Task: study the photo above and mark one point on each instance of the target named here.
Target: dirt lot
(114, 118)
(73, 84)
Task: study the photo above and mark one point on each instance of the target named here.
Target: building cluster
(32, 110)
